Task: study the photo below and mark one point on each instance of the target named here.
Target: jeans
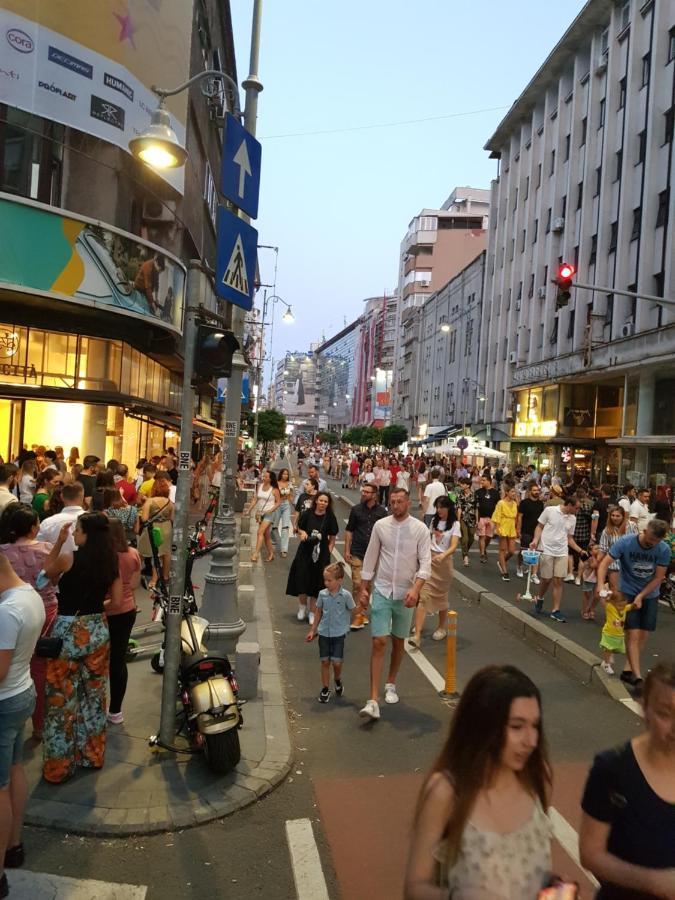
(283, 523)
(14, 712)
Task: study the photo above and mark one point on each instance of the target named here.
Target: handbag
(48, 647)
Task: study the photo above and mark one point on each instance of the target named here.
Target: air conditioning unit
(159, 211)
(424, 283)
(541, 293)
(513, 356)
(628, 329)
(559, 224)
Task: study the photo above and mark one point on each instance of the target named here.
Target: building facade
(439, 243)
(296, 391)
(336, 377)
(93, 263)
(375, 362)
(586, 168)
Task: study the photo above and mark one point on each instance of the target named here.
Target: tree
(362, 436)
(393, 436)
(328, 437)
(271, 427)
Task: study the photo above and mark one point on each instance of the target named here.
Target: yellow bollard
(450, 690)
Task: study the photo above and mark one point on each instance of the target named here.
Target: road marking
(310, 883)
(633, 706)
(430, 673)
(568, 840)
(26, 885)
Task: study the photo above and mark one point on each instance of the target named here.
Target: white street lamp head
(445, 328)
(288, 316)
(158, 145)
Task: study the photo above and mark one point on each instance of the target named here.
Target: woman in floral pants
(75, 724)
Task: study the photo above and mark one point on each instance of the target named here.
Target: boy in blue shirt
(332, 621)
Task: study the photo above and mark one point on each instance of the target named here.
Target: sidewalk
(573, 644)
(141, 792)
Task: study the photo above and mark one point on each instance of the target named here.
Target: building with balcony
(585, 174)
(336, 377)
(439, 243)
(375, 361)
(95, 246)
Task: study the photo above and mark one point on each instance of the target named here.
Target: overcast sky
(337, 204)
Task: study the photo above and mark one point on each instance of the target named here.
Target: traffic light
(566, 272)
(214, 351)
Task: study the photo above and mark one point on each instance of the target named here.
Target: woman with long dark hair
(317, 529)
(481, 827)
(75, 723)
(283, 517)
(266, 503)
(121, 617)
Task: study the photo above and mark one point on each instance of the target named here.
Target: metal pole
(651, 298)
(167, 726)
(257, 375)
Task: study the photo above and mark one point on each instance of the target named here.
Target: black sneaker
(15, 857)
(630, 678)
(4, 887)
(538, 606)
(324, 696)
(339, 688)
(506, 576)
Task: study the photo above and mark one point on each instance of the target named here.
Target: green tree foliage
(271, 426)
(393, 436)
(328, 437)
(362, 436)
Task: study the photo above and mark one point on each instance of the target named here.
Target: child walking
(332, 621)
(612, 639)
(590, 578)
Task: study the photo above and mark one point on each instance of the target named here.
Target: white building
(586, 168)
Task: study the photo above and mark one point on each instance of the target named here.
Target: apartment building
(375, 361)
(439, 243)
(585, 172)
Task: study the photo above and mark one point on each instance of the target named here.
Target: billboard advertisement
(300, 386)
(45, 251)
(91, 65)
(382, 390)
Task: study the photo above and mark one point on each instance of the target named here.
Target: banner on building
(91, 65)
(71, 258)
(299, 386)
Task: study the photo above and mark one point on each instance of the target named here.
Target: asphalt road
(355, 782)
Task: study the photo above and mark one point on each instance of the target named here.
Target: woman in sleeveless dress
(481, 828)
(265, 505)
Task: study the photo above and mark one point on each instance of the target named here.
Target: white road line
(305, 862)
(430, 673)
(26, 885)
(569, 841)
(633, 706)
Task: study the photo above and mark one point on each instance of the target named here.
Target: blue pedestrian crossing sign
(240, 172)
(237, 252)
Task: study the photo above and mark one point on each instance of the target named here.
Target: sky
(338, 204)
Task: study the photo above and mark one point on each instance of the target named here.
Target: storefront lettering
(18, 371)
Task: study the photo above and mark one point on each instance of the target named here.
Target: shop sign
(545, 428)
(579, 418)
(18, 371)
(85, 262)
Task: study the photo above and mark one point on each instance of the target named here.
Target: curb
(576, 659)
(226, 795)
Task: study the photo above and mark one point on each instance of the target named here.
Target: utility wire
(473, 112)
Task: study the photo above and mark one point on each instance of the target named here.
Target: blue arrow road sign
(235, 259)
(240, 173)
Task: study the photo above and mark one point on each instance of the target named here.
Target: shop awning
(205, 428)
(496, 434)
(442, 435)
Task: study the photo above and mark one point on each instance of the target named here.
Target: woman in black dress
(317, 528)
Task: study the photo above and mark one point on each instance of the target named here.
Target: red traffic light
(566, 272)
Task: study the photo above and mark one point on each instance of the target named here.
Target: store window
(664, 408)
(662, 467)
(609, 410)
(578, 410)
(631, 410)
(537, 412)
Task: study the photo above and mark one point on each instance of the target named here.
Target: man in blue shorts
(398, 560)
(644, 562)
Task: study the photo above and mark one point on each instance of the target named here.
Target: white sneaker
(115, 718)
(371, 710)
(577, 581)
(519, 572)
(535, 579)
(302, 613)
(390, 695)
(311, 619)
(568, 578)
(466, 560)
(439, 635)
(607, 668)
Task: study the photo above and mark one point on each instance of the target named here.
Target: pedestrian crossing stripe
(235, 275)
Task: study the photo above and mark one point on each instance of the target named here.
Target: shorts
(14, 712)
(332, 648)
(552, 566)
(389, 616)
(485, 528)
(644, 618)
(589, 586)
(356, 566)
(525, 541)
(613, 643)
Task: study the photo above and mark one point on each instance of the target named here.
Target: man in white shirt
(627, 498)
(639, 510)
(432, 492)
(553, 536)
(73, 497)
(7, 485)
(398, 561)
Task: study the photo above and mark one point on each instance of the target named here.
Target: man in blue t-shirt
(644, 561)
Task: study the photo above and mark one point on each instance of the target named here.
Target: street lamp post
(288, 318)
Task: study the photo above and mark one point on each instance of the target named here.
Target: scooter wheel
(156, 664)
(222, 751)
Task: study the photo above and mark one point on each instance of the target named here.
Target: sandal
(270, 558)
(254, 558)
(585, 615)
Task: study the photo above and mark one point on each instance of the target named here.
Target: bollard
(450, 690)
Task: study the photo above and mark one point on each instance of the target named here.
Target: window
(519, 296)
(618, 159)
(580, 194)
(522, 243)
(598, 180)
(210, 194)
(671, 45)
(668, 123)
(526, 192)
(613, 236)
(584, 129)
(625, 16)
(530, 290)
(535, 229)
(601, 113)
(539, 175)
(642, 147)
(513, 247)
(515, 199)
(622, 93)
(563, 206)
(659, 285)
(609, 312)
(570, 325)
(552, 169)
(662, 212)
(594, 250)
(637, 222)
(554, 333)
(508, 300)
(541, 335)
(549, 213)
(545, 279)
(505, 349)
(646, 65)
(567, 148)
(576, 257)
(604, 42)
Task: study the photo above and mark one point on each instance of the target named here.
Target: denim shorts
(332, 647)
(643, 619)
(14, 711)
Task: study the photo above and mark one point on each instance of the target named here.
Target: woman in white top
(445, 535)
(481, 829)
(421, 480)
(283, 516)
(266, 503)
(383, 481)
(368, 476)
(403, 478)
(27, 477)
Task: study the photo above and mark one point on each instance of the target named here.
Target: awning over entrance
(439, 436)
